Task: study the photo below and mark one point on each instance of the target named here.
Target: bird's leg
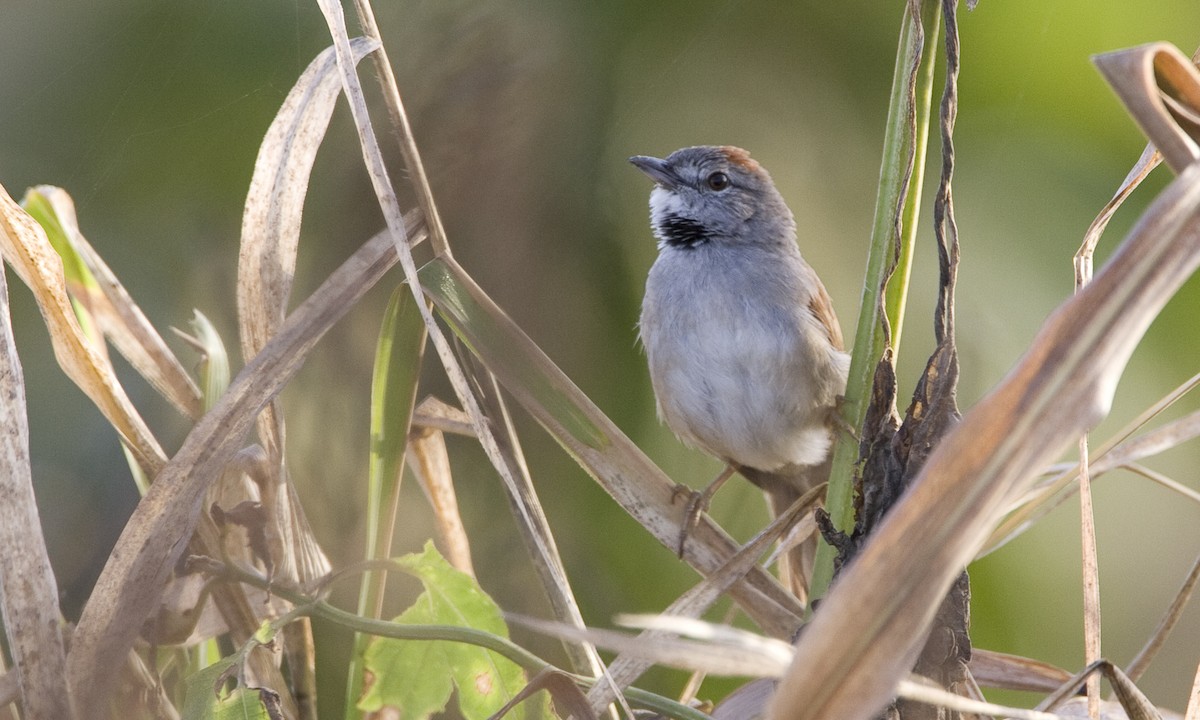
(697, 503)
(834, 419)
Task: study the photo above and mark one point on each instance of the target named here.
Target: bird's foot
(834, 419)
(697, 504)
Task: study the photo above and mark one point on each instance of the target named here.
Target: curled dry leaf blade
(597, 444)
(868, 631)
(28, 592)
(24, 244)
(157, 534)
(1150, 80)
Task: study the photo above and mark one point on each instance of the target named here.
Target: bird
(745, 353)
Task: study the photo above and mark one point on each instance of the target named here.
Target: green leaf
(416, 677)
(205, 696)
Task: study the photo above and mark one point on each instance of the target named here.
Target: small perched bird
(745, 352)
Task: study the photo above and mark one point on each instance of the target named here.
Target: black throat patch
(681, 232)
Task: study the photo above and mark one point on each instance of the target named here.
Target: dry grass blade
(157, 533)
(870, 628)
(532, 523)
(1193, 707)
(1142, 660)
(1141, 169)
(1090, 569)
(390, 207)
(1153, 81)
(625, 669)
(119, 317)
(1157, 477)
(1011, 672)
(24, 244)
(28, 592)
(1120, 451)
(597, 444)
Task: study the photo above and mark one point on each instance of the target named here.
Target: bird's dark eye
(717, 181)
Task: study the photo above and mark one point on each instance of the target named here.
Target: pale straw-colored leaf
(690, 644)
(157, 534)
(24, 245)
(28, 592)
(761, 657)
(430, 463)
(434, 414)
(114, 311)
(527, 515)
(871, 627)
(535, 532)
(266, 267)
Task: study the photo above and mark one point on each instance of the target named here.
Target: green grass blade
(899, 184)
(393, 394)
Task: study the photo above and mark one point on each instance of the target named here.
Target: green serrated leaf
(416, 677)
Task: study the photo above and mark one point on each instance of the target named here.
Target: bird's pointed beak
(657, 169)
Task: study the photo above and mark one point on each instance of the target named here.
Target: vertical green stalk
(900, 176)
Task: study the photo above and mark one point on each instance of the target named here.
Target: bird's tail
(783, 488)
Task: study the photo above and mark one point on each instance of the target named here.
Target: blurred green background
(150, 114)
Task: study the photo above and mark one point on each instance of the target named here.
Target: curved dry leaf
(274, 205)
(24, 244)
(275, 201)
(870, 628)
